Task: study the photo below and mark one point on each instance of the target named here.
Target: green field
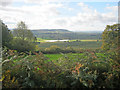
(85, 40)
(53, 57)
(72, 56)
(57, 56)
(73, 44)
(40, 40)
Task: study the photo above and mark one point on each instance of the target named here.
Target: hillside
(65, 34)
(51, 31)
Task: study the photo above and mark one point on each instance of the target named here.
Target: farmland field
(74, 44)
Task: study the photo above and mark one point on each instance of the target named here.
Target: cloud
(35, 16)
(5, 2)
(91, 19)
(113, 8)
(12, 9)
(47, 16)
(81, 4)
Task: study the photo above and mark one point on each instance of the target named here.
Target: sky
(73, 15)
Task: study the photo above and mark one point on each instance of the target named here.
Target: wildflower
(8, 71)
(73, 72)
(78, 67)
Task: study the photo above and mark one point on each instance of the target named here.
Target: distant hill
(51, 31)
(59, 34)
(64, 34)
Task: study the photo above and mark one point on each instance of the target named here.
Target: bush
(32, 71)
(22, 45)
(54, 49)
(96, 71)
(86, 70)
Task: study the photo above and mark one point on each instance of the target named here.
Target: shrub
(8, 81)
(22, 45)
(31, 71)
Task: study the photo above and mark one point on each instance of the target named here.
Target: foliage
(8, 81)
(23, 38)
(110, 38)
(32, 71)
(91, 73)
(22, 45)
(82, 70)
(22, 32)
(54, 49)
(6, 35)
(91, 69)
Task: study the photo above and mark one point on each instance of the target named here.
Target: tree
(111, 39)
(6, 35)
(23, 38)
(23, 32)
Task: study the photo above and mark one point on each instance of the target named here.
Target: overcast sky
(74, 15)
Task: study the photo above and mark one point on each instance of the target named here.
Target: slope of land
(58, 34)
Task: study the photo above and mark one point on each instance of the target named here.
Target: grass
(40, 40)
(84, 40)
(90, 40)
(53, 56)
(100, 55)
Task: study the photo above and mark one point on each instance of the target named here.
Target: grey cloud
(5, 2)
(13, 10)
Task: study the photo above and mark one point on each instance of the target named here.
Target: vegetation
(111, 41)
(110, 37)
(61, 64)
(59, 34)
(67, 47)
(6, 35)
(24, 39)
(89, 69)
(23, 33)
